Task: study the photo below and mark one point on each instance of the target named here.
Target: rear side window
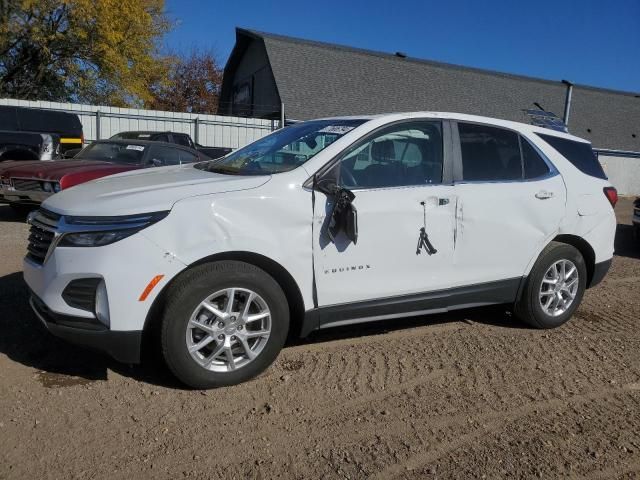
(489, 153)
(182, 140)
(534, 165)
(579, 154)
(160, 156)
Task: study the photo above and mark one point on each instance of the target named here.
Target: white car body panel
(500, 226)
(486, 232)
(384, 262)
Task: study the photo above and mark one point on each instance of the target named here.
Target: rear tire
(210, 337)
(554, 288)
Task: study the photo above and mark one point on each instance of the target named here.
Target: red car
(24, 185)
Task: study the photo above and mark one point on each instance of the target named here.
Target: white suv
(323, 223)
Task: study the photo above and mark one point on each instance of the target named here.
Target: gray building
(268, 73)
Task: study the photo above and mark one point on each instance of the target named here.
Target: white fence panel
(210, 130)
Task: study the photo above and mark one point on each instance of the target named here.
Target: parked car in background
(37, 134)
(320, 224)
(173, 137)
(26, 184)
(636, 218)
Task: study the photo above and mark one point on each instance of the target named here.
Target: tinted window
(407, 154)
(161, 156)
(40, 121)
(489, 153)
(181, 140)
(579, 154)
(113, 152)
(187, 157)
(161, 138)
(8, 118)
(132, 136)
(534, 165)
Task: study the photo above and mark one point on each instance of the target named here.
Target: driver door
(400, 176)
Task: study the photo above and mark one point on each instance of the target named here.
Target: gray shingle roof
(317, 79)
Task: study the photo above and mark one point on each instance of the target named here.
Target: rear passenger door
(510, 201)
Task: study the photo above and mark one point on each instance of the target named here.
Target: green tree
(192, 84)
(95, 51)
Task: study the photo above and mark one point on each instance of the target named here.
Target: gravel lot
(467, 394)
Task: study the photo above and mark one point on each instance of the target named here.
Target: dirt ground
(472, 394)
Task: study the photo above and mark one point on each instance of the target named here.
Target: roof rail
(542, 118)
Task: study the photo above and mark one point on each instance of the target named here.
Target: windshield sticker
(337, 129)
(139, 148)
(144, 135)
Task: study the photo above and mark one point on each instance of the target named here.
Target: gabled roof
(316, 79)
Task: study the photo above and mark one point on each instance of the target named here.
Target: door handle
(544, 194)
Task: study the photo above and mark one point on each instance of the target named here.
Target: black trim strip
(491, 293)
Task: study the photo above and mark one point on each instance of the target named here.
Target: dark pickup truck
(173, 137)
(36, 134)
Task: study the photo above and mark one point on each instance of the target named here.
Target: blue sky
(592, 42)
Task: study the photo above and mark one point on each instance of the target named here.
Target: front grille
(41, 235)
(27, 185)
(81, 293)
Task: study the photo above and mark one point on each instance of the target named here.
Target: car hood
(148, 190)
(52, 170)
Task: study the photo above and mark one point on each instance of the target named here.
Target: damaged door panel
(371, 207)
(503, 219)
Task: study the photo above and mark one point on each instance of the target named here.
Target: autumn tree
(94, 51)
(192, 84)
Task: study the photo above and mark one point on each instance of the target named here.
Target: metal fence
(209, 130)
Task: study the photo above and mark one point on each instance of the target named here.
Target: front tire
(224, 323)
(555, 287)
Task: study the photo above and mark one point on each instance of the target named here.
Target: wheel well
(18, 155)
(277, 271)
(584, 248)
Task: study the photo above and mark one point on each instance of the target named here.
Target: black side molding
(599, 272)
(491, 293)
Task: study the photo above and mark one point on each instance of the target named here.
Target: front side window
(125, 153)
(489, 153)
(283, 150)
(402, 155)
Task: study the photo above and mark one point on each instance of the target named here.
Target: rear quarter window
(580, 154)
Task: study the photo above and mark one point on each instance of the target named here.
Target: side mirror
(344, 216)
(327, 185)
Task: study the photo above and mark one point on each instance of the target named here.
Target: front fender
(276, 227)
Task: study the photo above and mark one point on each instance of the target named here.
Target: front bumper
(125, 268)
(123, 346)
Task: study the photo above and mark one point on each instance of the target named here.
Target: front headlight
(94, 239)
(46, 186)
(101, 231)
(56, 187)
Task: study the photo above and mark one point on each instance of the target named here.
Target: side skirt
(439, 301)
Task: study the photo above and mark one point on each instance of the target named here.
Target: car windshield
(283, 150)
(127, 153)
